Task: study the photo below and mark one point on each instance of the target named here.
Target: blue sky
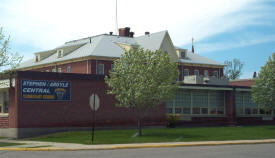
(222, 29)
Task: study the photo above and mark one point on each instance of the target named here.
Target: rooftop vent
(111, 33)
(147, 33)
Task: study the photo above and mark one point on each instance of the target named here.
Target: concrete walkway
(51, 146)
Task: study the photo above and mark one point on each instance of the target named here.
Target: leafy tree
(8, 59)
(232, 69)
(142, 79)
(263, 91)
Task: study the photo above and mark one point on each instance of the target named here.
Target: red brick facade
(89, 67)
(77, 113)
(242, 82)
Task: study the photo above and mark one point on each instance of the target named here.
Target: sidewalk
(51, 146)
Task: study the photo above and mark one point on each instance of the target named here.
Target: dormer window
(37, 58)
(182, 55)
(59, 53)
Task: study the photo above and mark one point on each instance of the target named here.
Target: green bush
(172, 120)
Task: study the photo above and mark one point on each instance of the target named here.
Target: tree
(233, 69)
(142, 79)
(263, 91)
(8, 59)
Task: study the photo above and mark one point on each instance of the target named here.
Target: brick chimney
(131, 34)
(125, 32)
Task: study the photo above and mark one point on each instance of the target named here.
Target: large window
(100, 69)
(205, 73)
(196, 72)
(197, 102)
(4, 101)
(215, 74)
(245, 106)
(186, 72)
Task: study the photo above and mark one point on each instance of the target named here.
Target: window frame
(205, 73)
(59, 53)
(69, 68)
(216, 73)
(186, 70)
(59, 69)
(3, 102)
(197, 111)
(196, 70)
(98, 65)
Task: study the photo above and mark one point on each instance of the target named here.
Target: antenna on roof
(193, 50)
(116, 20)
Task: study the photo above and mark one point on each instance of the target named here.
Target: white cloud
(47, 24)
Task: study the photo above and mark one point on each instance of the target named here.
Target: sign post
(94, 105)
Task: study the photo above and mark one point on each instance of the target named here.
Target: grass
(162, 135)
(3, 144)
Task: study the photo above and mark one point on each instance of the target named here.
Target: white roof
(102, 45)
(195, 58)
(107, 46)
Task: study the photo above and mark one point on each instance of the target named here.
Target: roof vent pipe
(147, 33)
(90, 40)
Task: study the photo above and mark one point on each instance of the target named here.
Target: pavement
(52, 146)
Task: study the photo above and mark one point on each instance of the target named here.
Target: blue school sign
(42, 90)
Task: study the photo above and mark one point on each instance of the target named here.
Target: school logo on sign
(42, 90)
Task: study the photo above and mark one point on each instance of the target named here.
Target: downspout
(87, 66)
(95, 66)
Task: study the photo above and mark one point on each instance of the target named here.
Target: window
(197, 102)
(68, 69)
(186, 72)
(4, 101)
(205, 73)
(37, 58)
(196, 72)
(100, 69)
(59, 69)
(59, 53)
(215, 74)
(245, 106)
(182, 54)
(53, 70)
(112, 67)
(47, 70)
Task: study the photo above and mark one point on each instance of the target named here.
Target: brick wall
(76, 67)
(77, 113)
(4, 122)
(244, 82)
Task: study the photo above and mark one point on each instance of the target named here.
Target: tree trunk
(139, 127)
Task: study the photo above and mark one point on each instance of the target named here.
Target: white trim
(206, 88)
(243, 89)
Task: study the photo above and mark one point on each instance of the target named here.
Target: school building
(51, 92)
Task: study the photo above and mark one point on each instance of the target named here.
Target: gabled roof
(110, 46)
(101, 45)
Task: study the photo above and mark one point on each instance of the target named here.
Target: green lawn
(163, 135)
(3, 144)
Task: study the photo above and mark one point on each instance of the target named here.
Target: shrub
(172, 120)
